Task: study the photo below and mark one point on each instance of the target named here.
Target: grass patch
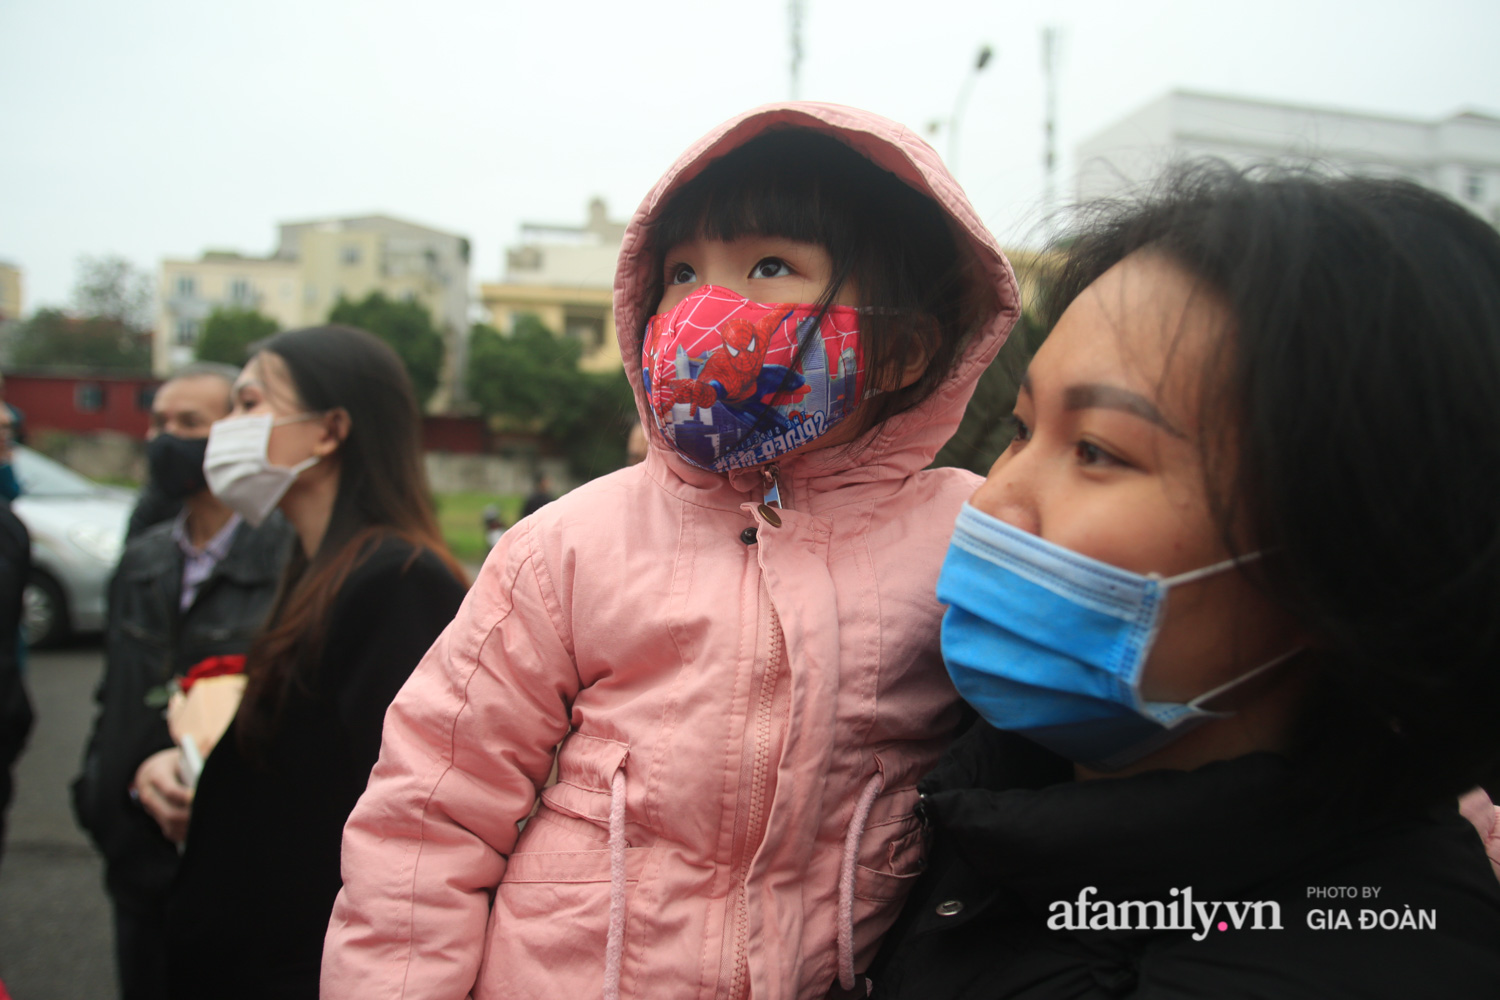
(460, 519)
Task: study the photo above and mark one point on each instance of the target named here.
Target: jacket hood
(908, 441)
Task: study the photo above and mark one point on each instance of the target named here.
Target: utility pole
(1050, 38)
(795, 10)
(980, 62)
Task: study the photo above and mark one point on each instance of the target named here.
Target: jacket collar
(1221, 828)
(255, 555)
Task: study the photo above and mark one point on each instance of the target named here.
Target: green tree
(110, 287)
(526, 376)
(532, 378)
(229, 332)
(407, 327)
(52, 339)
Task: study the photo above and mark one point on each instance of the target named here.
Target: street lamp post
(980, 61)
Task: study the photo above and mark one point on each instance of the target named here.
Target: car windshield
(42, 477)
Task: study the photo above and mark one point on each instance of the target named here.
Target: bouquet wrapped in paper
(201, 709)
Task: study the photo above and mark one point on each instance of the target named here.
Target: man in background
(541, 495)
(15, 567)
(194, 586)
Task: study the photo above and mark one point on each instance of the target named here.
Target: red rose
(213, 666)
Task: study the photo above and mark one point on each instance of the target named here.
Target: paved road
(54, 918)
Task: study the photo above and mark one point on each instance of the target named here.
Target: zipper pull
(771, 483)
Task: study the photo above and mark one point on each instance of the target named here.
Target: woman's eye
(1019, 431)
(771, 267)
(1091, 454)
(681, 274)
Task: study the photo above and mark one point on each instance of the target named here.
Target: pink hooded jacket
(741, 725)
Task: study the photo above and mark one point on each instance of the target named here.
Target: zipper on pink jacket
(762, 767)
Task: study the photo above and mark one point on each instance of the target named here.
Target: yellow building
(316, 263)
(564, 275)
(10, 291)
(190, 290)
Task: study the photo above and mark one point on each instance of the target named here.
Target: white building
(1458, 155)
(564, 275)
(317, 263)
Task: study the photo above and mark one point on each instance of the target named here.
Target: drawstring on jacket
(614, 945)
(846, 877)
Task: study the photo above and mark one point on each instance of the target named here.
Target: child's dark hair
(1358, 431)
(891, 241)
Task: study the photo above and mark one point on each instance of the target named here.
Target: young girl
(734, 642)
(1227, 606)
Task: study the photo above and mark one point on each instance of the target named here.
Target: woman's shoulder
(392, 561)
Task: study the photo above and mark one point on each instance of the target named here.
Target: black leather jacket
(148, 642)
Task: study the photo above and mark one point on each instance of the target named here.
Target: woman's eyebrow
(1112, 397)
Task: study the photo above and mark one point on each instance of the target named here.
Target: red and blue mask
(729, 386)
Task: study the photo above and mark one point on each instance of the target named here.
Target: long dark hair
(893, 242)
(1359, 435)
(382, 493)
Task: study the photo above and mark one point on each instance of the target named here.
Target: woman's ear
(336, 425)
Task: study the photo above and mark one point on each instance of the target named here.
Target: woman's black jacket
(1043, 887)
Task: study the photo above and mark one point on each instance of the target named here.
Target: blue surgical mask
(1051, 644)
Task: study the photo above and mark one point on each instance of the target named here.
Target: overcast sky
(156, 128)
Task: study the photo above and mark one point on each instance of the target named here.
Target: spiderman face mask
(728, 387)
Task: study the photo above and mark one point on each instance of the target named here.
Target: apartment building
(565, 276)
(189, 290)
(1458, 155)
(316, 262)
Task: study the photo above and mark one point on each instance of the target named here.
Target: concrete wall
(452, 473)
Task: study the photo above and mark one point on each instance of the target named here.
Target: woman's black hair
(1357, 443)
(891, 241)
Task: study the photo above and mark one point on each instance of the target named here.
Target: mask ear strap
(1207, 696)
(1216, 568)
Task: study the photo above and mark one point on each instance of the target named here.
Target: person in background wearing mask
(15, 567)
(186, 589)
(10, 486)
(494, 528)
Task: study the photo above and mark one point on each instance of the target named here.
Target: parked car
(77, 533)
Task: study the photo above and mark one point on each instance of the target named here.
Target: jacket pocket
(891, 850)
(586, 766)
(890, 856)
(573, 818)
(550, 923)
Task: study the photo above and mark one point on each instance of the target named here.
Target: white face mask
(238, 471)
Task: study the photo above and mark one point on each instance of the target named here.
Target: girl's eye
(771, 267)
(681, 274)
(1091, 454)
